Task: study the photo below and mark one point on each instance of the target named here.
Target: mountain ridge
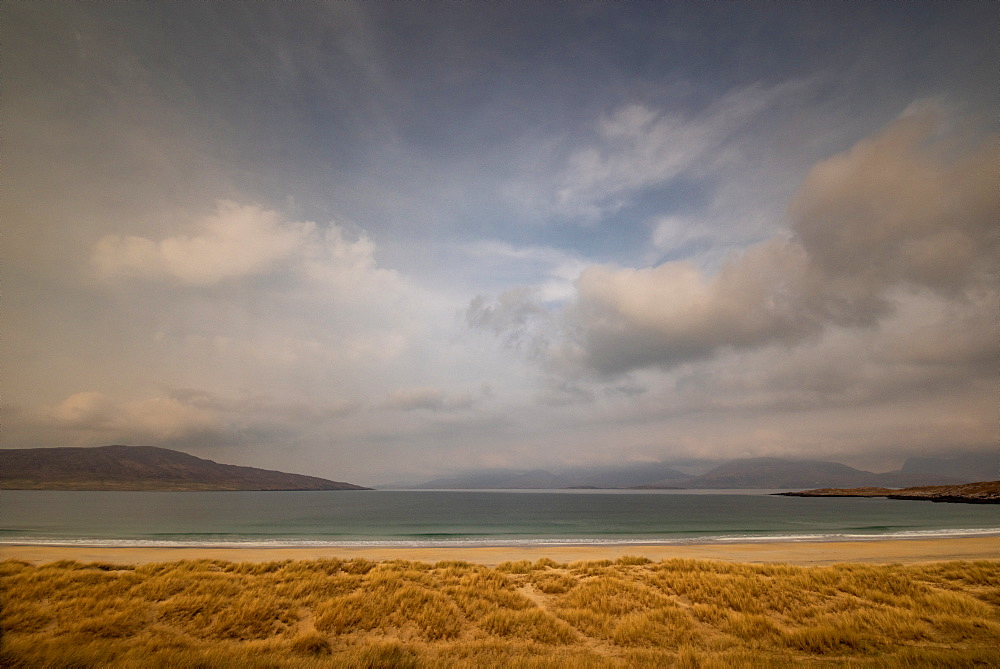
(120, 467)
(788, 473)
(744, 473)
(535, 479)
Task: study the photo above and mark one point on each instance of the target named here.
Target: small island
(983, 492)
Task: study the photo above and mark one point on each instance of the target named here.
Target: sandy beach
(799, 553)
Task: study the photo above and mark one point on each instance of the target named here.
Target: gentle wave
(460, 542)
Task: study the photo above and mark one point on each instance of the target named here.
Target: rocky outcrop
(984, 492)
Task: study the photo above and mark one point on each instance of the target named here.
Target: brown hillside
(140, 468)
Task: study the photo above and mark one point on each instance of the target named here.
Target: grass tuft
(312, 643)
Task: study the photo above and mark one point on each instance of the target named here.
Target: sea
(471, 518)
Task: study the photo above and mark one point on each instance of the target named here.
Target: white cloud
(671, 232)
(155, 418)
(629, 318)
(431, 399)
(238, 242)
(334, 261)
(637, 147)
(894, 211)
(235, 241)
(516, 316)
(548, 272)
(87, 409)
(900, 207)
(293, 300)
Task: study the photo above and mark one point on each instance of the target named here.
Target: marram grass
(627, 613)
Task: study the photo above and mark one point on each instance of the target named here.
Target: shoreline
(803, 553)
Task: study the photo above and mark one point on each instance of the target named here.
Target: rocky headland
(983, 492)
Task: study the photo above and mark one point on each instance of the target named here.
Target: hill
(140, 468)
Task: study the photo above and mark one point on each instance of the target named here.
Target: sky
(381, 242)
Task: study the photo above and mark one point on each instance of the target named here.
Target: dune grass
(628, 613)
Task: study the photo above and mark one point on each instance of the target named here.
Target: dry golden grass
(627, 613)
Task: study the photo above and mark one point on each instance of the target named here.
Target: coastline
(981, 492)
(803, 553)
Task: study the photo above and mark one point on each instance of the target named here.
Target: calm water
(468, 518)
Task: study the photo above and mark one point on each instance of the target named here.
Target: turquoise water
(469, 518)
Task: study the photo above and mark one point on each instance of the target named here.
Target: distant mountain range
(780, 473)
(140, 468)
(772, 473)
(581, 477)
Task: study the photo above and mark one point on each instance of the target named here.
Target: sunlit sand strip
(799, 553)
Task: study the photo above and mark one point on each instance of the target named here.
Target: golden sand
(902, 551)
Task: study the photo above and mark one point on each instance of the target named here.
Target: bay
(487, 518)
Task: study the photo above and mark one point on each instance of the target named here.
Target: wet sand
(902, 551)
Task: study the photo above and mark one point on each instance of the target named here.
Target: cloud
(517, 317)
(957, 335)
(264, 407)
(896, 208)
(185, 418)
(431, 399)
(636, 147)
(554, 269)
(630, 318)
(671, 233)
(896, 212)
(235, 241)
(92, 410)
(927, 348)
(328, 304)
(238, 241)
(156, 418)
